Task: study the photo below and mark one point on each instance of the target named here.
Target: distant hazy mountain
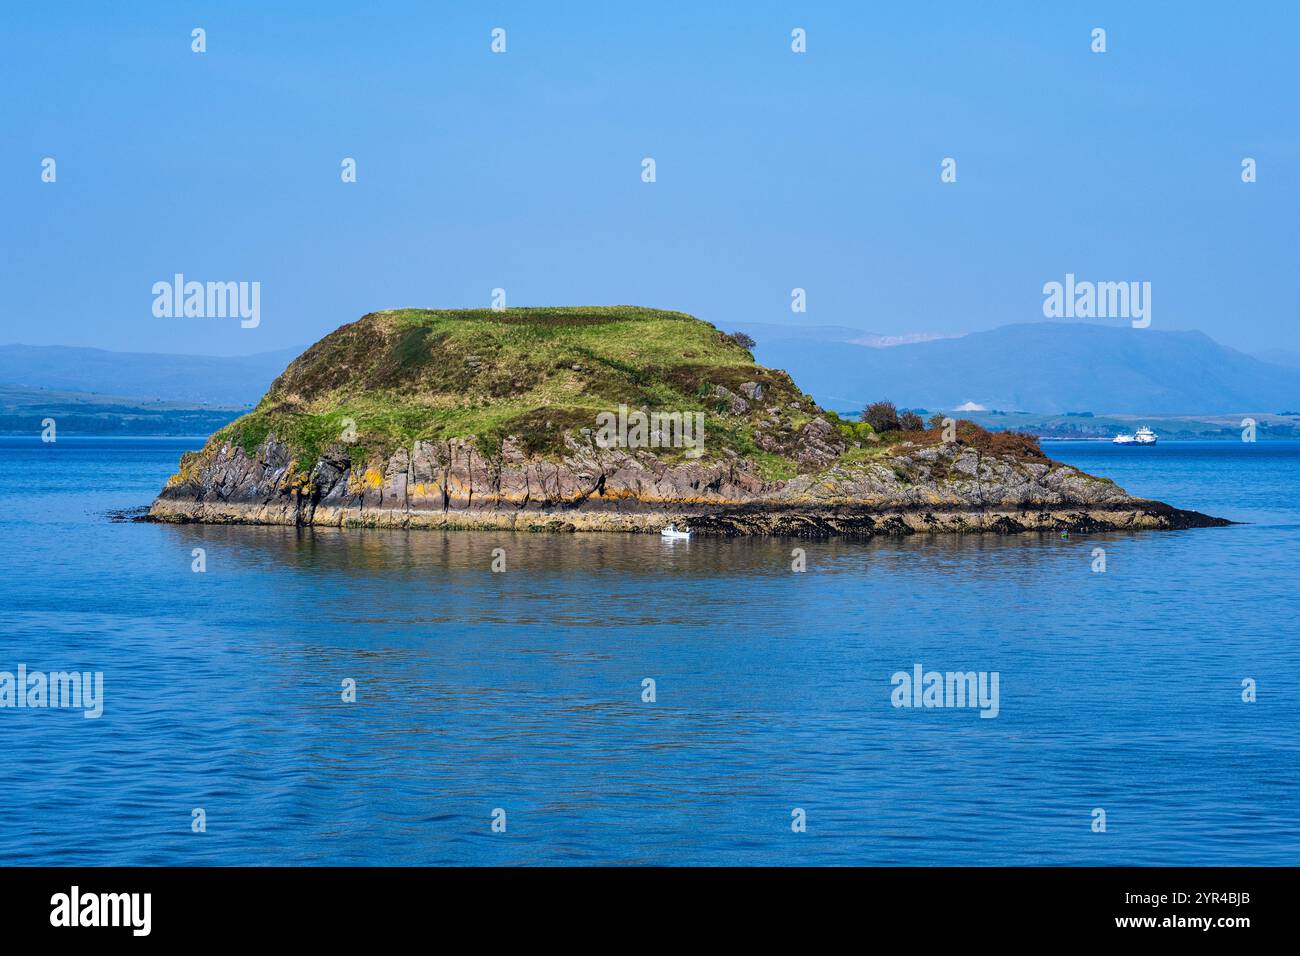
(196, 379)
(1280, 357)
(1046, 367)
(793, 332)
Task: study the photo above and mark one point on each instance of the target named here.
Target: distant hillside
(1086, 425)
(1045, 367)
(23, 409)
(194, 379)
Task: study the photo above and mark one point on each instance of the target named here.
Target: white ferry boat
(1144, 436)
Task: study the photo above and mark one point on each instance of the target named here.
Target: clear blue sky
(522, 170)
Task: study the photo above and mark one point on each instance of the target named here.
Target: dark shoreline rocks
(921, 488)
(853, 522)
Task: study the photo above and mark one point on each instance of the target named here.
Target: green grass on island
(531, 374)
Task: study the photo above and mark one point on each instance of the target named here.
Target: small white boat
(672, 532)
(1144, 436)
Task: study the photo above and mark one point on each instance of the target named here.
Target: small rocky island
(609, 419)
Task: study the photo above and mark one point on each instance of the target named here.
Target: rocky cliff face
(911, 488)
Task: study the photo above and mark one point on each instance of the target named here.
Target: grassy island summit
(608, 418)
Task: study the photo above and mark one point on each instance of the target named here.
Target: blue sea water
(522, 690)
